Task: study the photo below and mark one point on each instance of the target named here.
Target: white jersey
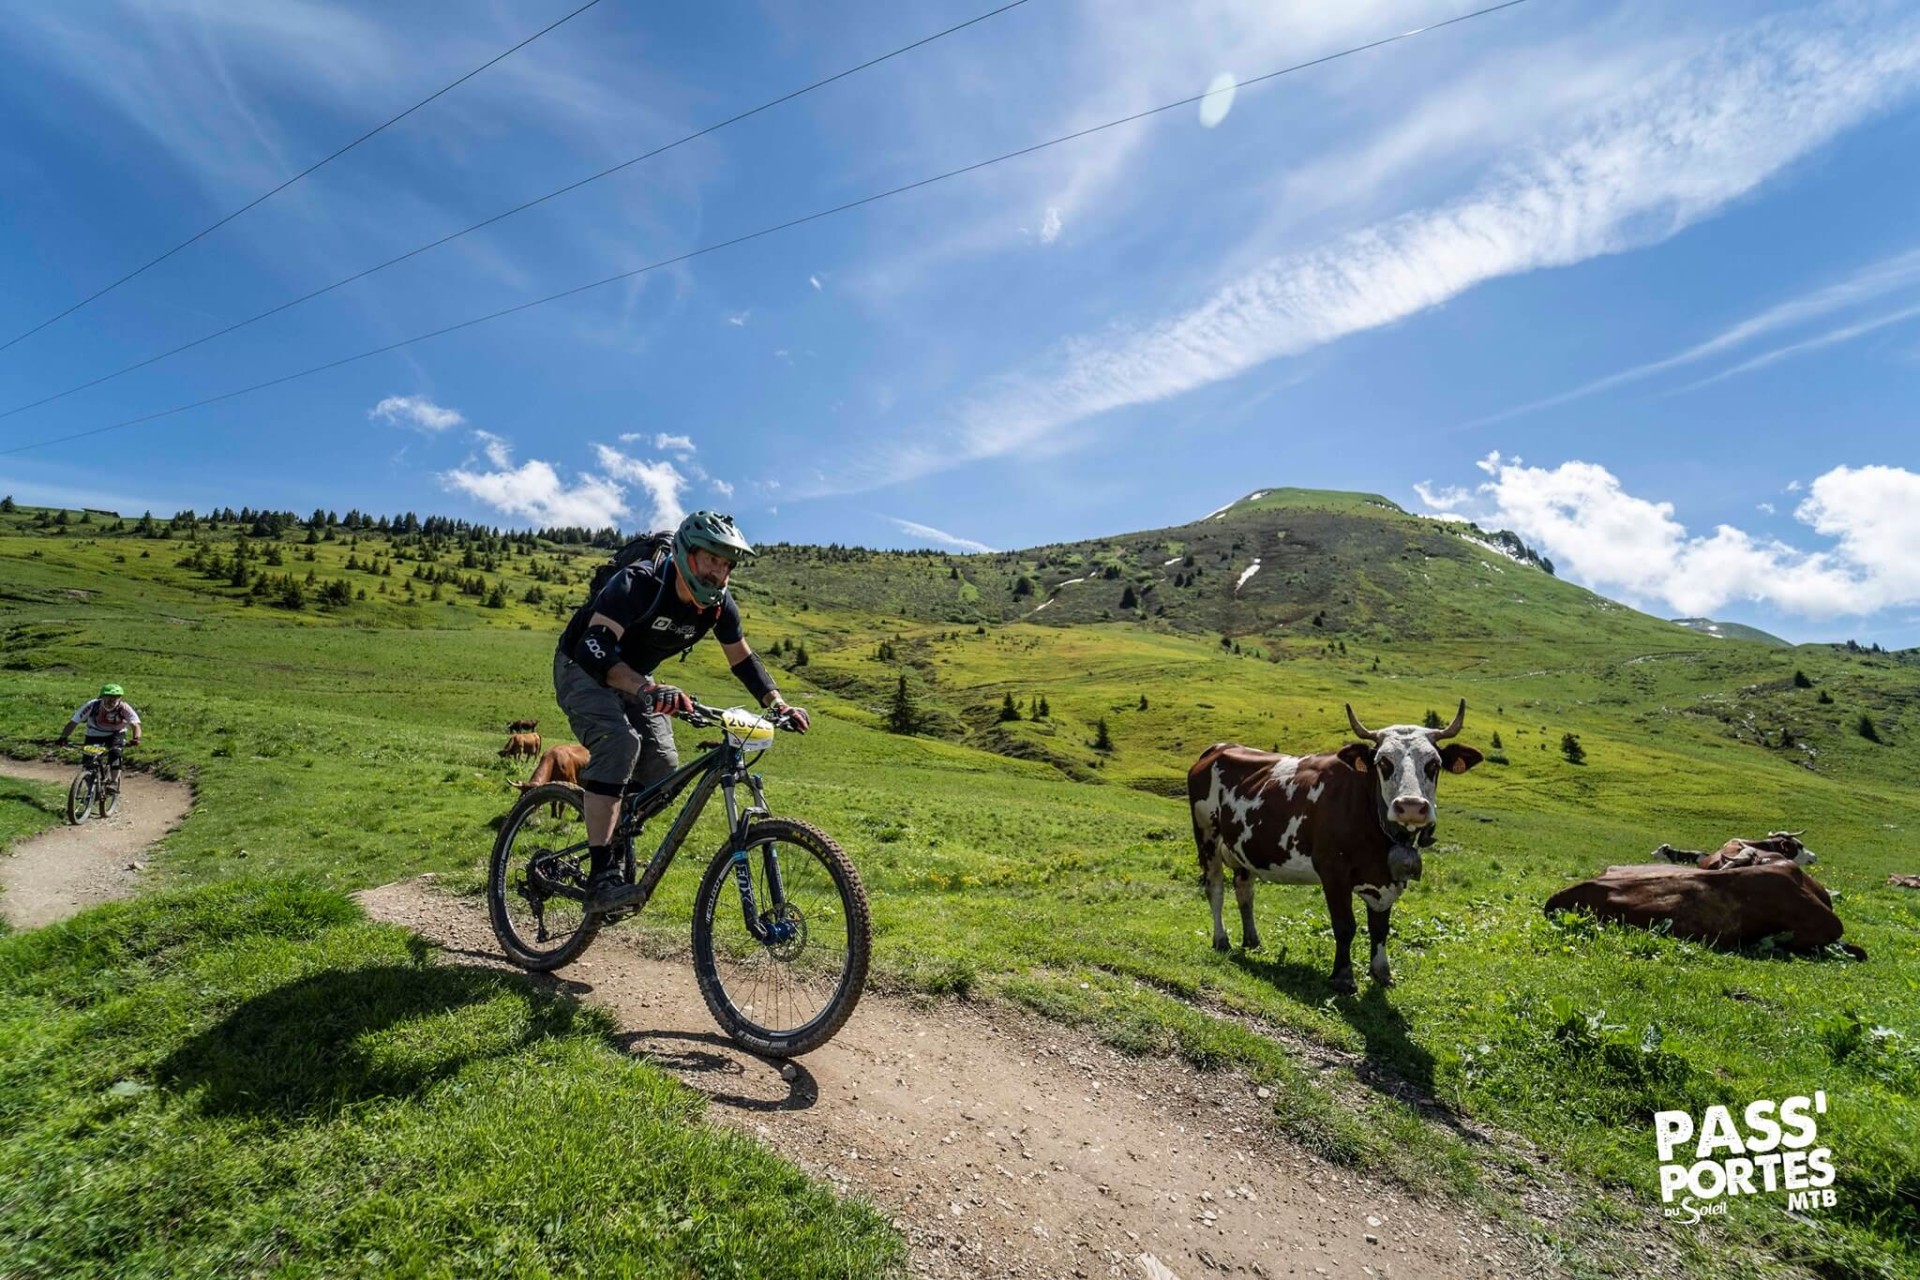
(106, 721)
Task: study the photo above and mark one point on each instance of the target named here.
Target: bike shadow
(341, 1037)
(711, 1063)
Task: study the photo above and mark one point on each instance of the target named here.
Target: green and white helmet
(707, 531)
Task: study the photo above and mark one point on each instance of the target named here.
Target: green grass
(1016, 861)
(251, 1078)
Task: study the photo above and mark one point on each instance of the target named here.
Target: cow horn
(1459, 719)
(1359, 728)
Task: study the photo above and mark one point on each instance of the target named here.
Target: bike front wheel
(537, 880)
(80, 793)
(781, 936)
(108, 798)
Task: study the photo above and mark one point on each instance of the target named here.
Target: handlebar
(702, 716)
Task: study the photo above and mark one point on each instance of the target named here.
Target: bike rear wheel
(782, 980)
(80, 795)
(537, 880)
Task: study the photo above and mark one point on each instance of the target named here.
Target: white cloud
(416, 411)
(940, 536)
(661, 481)
(815, 282)
(681, 445)
(1832, 337)
(534, 490)
(739, 318)
(499, 452)
(1050, 226)
(1443, 500)
(1606, 538)
(1766, 508)
(721, 487)
(1662, 152)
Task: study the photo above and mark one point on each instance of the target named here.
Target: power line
(761, 233)
(500, 217)
(320, 164)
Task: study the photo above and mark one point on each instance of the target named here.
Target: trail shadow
(711, 1069)
(340, 1037)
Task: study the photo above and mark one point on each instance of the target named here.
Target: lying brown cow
(1779, 846)
(560, 764)
(1733, 906)
(520, 744)
(523, 726)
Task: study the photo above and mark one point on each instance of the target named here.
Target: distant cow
(523, 726)
(560, 764)
(1350, 821)
(1734, 906)
(1779, 846)
(520, 744)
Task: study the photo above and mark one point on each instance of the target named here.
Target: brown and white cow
(1349, 821)
(1779, 846)
(521, 744)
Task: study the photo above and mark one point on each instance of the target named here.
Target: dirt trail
(1006, 1146)
(68, 869)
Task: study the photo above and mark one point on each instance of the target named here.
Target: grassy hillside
(1732, 631)
(354, 743)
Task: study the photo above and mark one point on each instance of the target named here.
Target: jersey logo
(663, 624)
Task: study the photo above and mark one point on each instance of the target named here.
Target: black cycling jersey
(650, 637)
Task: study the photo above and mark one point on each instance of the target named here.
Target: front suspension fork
(772, 925)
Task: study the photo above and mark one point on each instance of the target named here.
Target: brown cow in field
(523, 726)
(1734, 906)
(1349, 821)
(560, 764)
(1779, 846)
(520, 744)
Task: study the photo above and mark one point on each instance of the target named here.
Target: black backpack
(648, 546)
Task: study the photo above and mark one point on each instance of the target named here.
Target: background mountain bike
(94, 789)
(781, 930)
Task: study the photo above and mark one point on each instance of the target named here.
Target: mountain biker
(603, 671)
(108, 719)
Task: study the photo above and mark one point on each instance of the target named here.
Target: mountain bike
(94, 788)
(781, 930)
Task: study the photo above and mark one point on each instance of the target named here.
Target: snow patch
(1165, 563)
(1494, 547)
(1246, 573)
(1043, 605)
(1069, 582)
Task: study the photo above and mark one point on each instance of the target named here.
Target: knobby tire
(508, 867)
(719, 893)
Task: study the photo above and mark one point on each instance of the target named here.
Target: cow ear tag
(1358, 755)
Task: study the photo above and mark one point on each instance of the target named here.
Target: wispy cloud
(815, 282)
(739, 318)
(1050, 226)
(1613, 541)
(682, 445)
(941, 536)
(1895, 274)
(416, 411)
(1831, 338)
(499, 452)
(1673, 147)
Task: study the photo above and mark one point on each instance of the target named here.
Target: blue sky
(1640, 281)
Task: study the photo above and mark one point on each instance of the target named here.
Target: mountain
(1732, 631)
(1276, 564)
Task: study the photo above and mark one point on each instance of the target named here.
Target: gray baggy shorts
(626, 741)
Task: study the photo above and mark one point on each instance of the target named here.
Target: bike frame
(723, 768)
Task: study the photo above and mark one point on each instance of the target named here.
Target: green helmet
(707, 531)
(112, 691)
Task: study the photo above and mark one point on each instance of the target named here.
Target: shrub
(1865, 728)
(1102, 740)
(1570, 748)
(1800, 680)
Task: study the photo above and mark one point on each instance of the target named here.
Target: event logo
(1773, 1152)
